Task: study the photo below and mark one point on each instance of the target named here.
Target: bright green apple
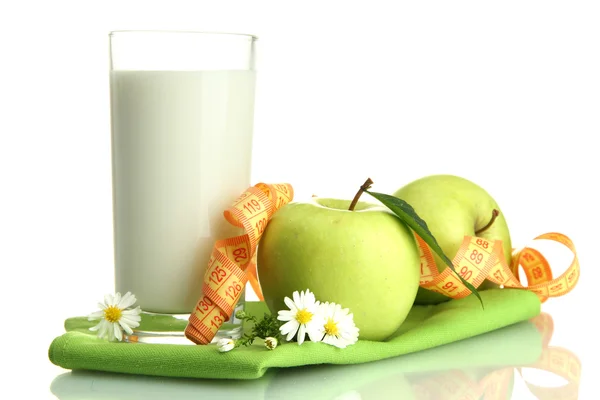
(366, 260)
(454, 207)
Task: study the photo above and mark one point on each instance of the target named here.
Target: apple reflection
(482, 367)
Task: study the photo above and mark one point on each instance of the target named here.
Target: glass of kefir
(182, 107)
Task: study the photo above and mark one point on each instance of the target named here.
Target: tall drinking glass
(182, 106)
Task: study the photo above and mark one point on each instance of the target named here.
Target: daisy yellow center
(303, 316)
(112, 314)
(331, 328)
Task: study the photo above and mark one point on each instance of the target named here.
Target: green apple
(366, 260)
(454, 207)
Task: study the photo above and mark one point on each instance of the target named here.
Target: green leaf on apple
(408, 215)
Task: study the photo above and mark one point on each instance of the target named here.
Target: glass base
(158, 328)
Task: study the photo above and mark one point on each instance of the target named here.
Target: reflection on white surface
(491, 366)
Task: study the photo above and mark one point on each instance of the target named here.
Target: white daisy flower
(224, 345)
(338, 325)
(302, 317)
(115, 317)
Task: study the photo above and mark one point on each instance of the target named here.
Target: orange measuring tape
(478, 259)
(233, 264)
(233, 261)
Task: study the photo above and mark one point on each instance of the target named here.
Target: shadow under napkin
(425, 327)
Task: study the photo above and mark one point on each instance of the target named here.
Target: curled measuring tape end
(478, 259)
(233, 261)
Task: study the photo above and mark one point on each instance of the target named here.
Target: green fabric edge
(426, 327)
(519, 344)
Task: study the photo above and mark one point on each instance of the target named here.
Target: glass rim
(203, 33)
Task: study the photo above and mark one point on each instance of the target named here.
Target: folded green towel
(425, 327)
(516, 345)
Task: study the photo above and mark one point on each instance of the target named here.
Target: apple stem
(495, 214)
(365, 186)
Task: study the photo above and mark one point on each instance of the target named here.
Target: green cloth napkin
(425, 327)
(516, 345)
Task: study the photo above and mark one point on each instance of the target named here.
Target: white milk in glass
(182, 144)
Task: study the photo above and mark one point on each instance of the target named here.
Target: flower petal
(125, 327)
(285, 315)
(96, 315)
(289, 327)
(132, 312)
(316, 334)
(127, 301)
(332, 340)
(132, 318)
(95, 328)
(288, 302)
(131, 322)
(328, 339)
(118, 333)
(301, 334)
(319, 317)
(117, 298)
(296, 297)
(109, 300)
(104, 328)
(131, 315)
(225, 345)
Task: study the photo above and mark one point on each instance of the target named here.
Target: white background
(506, 94)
